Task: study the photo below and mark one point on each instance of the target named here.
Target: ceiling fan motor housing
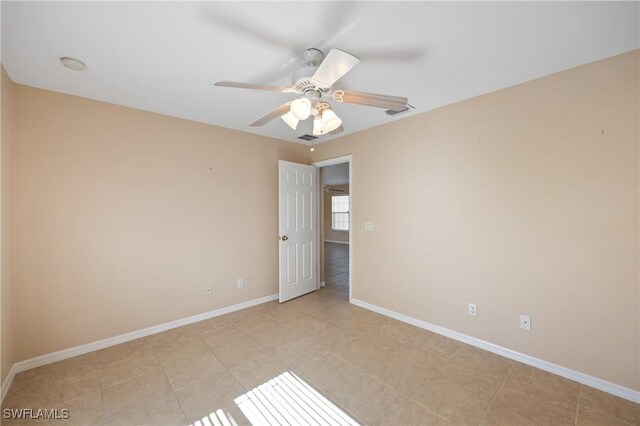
(312, 57)
(301, 79)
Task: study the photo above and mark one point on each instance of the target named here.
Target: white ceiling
(338, 174)
(165, 56)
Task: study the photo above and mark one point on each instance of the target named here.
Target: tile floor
(372, 369)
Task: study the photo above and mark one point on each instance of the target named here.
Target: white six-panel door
(298, 234)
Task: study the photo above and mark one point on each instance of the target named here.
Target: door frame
(331, 162)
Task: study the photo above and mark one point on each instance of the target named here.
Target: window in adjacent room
(340, 212)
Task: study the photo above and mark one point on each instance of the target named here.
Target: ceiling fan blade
(239, 85)
(394, 103)
(278, 112)
(407, 54)
(282, 72)
(335, 20)
(248, 28)
(336, 131)
(335, 65)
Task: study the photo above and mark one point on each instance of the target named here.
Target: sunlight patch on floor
(287, 399)
(217, 418)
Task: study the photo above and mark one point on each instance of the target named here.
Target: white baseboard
(111, 341)
(322, 284)
(337, 242)
(6, 384)
(585, 379)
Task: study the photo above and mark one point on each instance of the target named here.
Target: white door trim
(331, 162)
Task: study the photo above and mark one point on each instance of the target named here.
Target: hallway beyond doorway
(336, 269)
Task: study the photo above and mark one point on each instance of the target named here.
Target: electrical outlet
(368, 226)
(240, 282)
(473, 310)
(208, 289)
(525, 322)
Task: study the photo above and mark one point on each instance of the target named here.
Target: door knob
(285, 238)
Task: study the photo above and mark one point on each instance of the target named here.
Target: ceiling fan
(314, 85)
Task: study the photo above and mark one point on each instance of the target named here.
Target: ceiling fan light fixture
(290, 119)
(330, 121)
(301, 108)
(313, 84)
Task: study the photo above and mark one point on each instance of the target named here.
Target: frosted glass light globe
(301, 108)
(330, 121)
(290, 119)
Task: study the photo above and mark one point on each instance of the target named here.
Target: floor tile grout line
(381, 380)
(575, 419)
(331, 397)
(102, 390)
(560, 397)
(137, 376)
(227, 368)
(175, 395)
(409, 397)
(49, 383)
(497, 392)
(601, 411)
(427, 408)
(230, 372)
(102, 419)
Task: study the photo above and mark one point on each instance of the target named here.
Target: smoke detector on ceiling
(73, 63)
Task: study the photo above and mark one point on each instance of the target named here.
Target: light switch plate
(368, 226)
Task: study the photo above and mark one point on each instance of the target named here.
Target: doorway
(335, 219)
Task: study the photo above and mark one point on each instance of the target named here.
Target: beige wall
(329, 234)
(7, 138)
(122, 217)
(523, 201)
